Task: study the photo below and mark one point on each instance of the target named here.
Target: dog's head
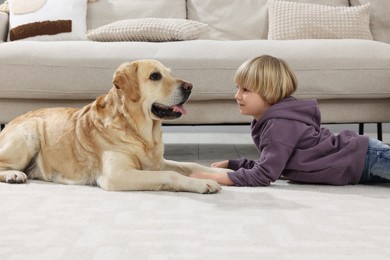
(150, 84)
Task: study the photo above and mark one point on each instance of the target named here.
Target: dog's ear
(126, 79)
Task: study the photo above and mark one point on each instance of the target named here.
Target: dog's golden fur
(114, 142)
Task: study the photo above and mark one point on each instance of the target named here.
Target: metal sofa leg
(379, 131)
(361, 128)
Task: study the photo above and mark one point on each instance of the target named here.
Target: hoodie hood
(305, 111)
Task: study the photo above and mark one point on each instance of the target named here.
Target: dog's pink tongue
(180, 109)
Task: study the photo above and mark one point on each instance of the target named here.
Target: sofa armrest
(3, 26)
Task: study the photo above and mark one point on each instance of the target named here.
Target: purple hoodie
(293, 145)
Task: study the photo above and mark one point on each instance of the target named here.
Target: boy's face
(250, 103)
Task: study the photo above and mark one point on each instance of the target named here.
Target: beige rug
(285, 221)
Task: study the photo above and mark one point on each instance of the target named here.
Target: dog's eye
(155, 76)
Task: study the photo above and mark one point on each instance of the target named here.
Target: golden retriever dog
(114, 142)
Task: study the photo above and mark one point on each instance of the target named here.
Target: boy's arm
(267, 169)
(221, 178)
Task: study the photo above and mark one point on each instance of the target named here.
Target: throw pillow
(148, 29)
(292, 20)
(47, 19)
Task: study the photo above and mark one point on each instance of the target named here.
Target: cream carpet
(41, 220)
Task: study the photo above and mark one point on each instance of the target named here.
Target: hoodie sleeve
(235, 164)
(267, 169)
(277, 141)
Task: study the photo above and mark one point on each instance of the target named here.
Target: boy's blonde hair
(271, 77)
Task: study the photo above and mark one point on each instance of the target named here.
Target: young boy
(288, 135)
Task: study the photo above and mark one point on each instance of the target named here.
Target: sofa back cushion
(103, 12)
(238, 19)
(379, 18)
(230, 20)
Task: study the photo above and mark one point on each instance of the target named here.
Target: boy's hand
(221, 178)
(221, 164)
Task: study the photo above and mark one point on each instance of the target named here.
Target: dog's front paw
(209, 186)
(15, 177)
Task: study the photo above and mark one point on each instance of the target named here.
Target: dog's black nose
(187, 86)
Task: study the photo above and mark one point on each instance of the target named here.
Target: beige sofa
(349, 77)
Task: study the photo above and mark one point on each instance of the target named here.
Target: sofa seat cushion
(326, 69)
